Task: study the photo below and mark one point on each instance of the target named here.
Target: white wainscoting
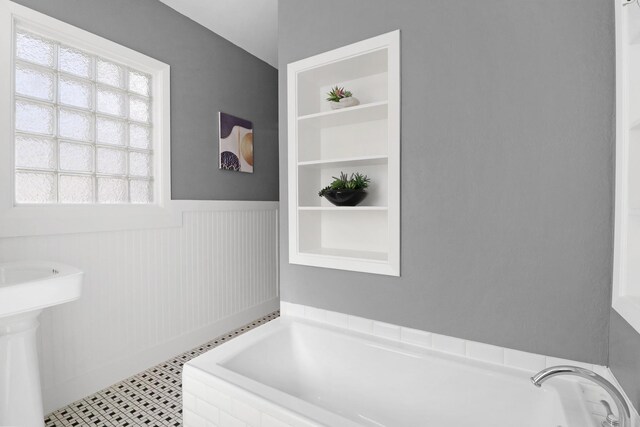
(151, 294)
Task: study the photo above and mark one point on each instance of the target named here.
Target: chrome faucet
(623, 409)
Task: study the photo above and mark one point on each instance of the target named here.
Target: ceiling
(249, 24)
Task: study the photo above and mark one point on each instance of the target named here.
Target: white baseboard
(86, 384)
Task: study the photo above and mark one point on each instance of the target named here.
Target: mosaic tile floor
(151, 398)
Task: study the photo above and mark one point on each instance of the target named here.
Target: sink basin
(27, 287)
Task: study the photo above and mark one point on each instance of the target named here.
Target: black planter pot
(345, 197)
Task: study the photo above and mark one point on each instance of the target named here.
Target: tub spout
(624, 414)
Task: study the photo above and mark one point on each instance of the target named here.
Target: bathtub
(295, 372)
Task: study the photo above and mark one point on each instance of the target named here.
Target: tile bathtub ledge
(473, 350)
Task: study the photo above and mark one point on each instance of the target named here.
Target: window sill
(61, 219)
(629, 308)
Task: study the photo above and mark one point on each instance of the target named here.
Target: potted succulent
(338, 97)
(345, 190)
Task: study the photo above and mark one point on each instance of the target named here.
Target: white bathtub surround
(300, 372)
(528, 362)
(208, 401)
(150, 294)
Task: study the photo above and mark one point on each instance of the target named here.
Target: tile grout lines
(150, 398)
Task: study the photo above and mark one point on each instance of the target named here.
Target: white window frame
(625, 294)
(60, 218)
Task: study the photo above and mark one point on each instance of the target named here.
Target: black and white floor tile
(151, 398)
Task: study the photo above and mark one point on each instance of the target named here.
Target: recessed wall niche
(365, 138)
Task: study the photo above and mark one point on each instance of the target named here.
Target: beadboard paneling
(145, 288)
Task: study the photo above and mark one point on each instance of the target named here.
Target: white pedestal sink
(25, 289)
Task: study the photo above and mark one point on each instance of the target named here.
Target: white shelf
(346, 116)
(346, 253)
(347, 161)
(343, 208)
(357, 66)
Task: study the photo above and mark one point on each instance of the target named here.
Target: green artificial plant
(337, 93)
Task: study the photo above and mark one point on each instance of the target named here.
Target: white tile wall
(144, 288)
(529, 362)
(338, 319)
(315, 314)
(416, 337)
(386, 330)
(485, 352)
(359, 324)
(449, 345)
(209, 401)
(470, 349)
(522, 360)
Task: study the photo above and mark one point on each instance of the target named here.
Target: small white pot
(344, 103)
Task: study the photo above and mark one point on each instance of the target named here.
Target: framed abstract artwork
(236, 143)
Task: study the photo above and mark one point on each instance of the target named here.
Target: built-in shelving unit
(626, 276)
(364, 138)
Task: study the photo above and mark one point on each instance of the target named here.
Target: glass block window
(83, 126)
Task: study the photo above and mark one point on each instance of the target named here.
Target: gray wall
(624, 356)
(208, 74)
(507, 169)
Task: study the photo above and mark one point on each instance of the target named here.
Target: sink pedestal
(20, 395)
(26, 288)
